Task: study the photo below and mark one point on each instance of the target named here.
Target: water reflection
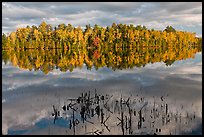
(98, 114)
(28, 96)
(116, 59)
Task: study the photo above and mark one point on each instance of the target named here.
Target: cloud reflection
(34, 93)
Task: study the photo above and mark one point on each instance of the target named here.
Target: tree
(138, 27)
(69, 27)
(126, 36)
(169, 29)
(144, 28)
(114, 25)
(4, 41)
(43, 27)
(62, 26)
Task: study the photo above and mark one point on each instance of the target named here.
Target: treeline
(65, 36)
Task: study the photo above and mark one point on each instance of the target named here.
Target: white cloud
(20, 12)
(154, 15)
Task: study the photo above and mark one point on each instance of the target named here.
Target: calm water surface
(28, 96)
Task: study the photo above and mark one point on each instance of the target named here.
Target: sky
(185, 16)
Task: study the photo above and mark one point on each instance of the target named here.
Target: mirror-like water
(30, 88)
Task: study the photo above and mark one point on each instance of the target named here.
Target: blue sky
(185, 16)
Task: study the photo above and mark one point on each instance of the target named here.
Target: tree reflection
(113, 56)
(119, 46)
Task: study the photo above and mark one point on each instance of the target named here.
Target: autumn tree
(169, 29)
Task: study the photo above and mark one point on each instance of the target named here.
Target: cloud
(155, 15)
(20, 12)
(179, 7)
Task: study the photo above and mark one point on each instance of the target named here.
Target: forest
(67, 37)
(120, 46)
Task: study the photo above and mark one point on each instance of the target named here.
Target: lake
(30, 89)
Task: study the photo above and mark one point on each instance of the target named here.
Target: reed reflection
(98, 114)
